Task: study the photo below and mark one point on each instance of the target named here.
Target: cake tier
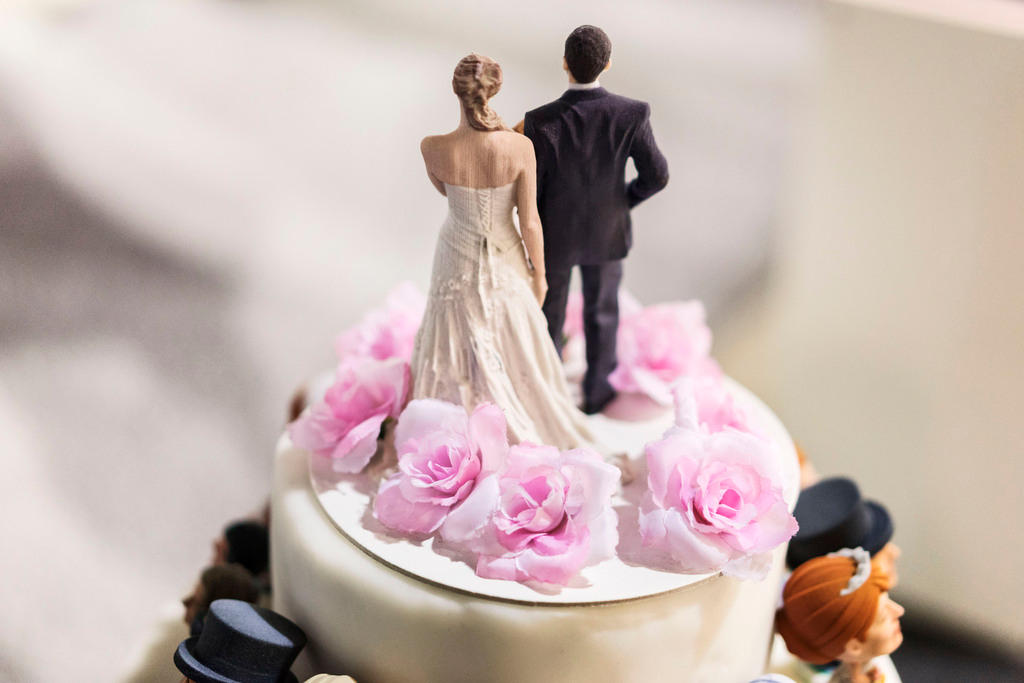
(414, 615)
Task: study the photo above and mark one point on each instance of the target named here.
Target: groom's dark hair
(587, 51)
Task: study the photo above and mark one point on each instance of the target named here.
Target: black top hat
(832, 515)
(241, 643)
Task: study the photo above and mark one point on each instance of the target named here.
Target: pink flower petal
(345, 425)
(696, 552)
(466, 523)
(531, 530)
(664, 458)
(713, 497)
(355, 450)
(428, 416)
(558, 557)
(498, 567)
(749, 567)
(440, 461)
(387, 332)
(488, 429)
(593, 482)
(660, 345)
(317, 430)
(604, 536)
(393, 510)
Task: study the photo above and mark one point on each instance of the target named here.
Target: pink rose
(716, 409)
(714, 500)
(346, 423)
(544, 517)
(659, 346)
(389, 331)
(441, 453)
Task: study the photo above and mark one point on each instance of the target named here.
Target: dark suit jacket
(582, 141)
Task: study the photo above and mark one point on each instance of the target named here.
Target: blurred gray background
(195, 197)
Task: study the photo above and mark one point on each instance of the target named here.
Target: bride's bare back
(479, 159)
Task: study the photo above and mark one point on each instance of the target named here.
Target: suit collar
(580, 95)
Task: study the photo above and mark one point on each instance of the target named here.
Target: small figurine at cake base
(833, 515)
(838, 607)
(582, 141)
(245, 542)
(241, 643)
(224, 581)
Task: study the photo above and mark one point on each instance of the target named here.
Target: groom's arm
(528, 131)
(651, 167)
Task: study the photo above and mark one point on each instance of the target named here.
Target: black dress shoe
(594, 408)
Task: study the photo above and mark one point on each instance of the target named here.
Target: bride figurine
(484, 337)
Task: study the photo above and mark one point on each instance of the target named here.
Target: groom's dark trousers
(582, 141)
(600, 322)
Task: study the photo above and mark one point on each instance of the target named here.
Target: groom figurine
(582, 141)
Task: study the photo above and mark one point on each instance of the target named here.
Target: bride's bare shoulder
(510, 137)
(431, 144)
(440, 141)
(510, 141)
(518, 146)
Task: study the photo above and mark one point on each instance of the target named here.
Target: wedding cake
(412, 542)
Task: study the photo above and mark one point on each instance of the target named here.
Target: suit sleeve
(651, 167)
(531, 132)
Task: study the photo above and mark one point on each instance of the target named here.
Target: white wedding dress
(484, 337)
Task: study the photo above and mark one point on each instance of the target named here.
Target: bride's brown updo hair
(476, 80)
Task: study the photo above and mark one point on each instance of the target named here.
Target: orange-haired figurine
(837, 607)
